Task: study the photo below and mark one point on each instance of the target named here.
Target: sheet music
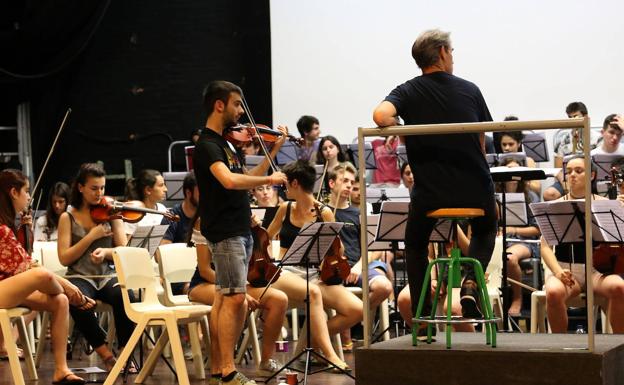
(371, 231)
(519, 157)
(318, 168)
(441, 231)
(558, 224)
(534, 145)
(516, 212)
(148, 237)
(327, 232)
(549, 171)
(392, 221)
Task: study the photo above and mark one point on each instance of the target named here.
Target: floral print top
(13, 258)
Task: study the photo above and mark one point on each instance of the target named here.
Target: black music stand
(286, 154)
(501, 175)
(369, 156)
(603, 163)
(534, 145)
(309, 248)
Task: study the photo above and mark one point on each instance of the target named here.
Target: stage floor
(518, 359)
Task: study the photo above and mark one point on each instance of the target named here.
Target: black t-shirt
(224, 213)
(449, 170)
(350, 235)
(177, 231)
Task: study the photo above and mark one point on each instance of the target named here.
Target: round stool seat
(456, 213)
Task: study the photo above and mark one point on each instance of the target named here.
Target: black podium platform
(518, 359)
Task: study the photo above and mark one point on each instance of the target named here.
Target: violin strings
(260, 140)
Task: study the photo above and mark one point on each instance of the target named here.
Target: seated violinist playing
(22, 283)
(567, 277)
(86, 248)
(149, 188)
(289, 219)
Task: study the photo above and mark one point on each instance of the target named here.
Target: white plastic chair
(134, 271)
(47, 252)
(16, 314)
(177, 264)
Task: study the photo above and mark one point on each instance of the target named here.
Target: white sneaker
(269, 366)
(239, 379)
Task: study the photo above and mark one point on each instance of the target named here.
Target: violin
(261, 271)
(24, 233)
(244, 133)
(108, 209)
(608, 258)
(334, 267)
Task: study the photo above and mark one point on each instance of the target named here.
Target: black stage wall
(132, 71)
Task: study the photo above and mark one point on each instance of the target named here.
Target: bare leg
(556, 296)
(274, 304)
(612, 287)
(16, 288)
(231, 315)
(517, 252)
(404, 302)
(349, 308)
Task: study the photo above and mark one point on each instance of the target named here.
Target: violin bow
(45, 164)
(318, 194)
(263, 145)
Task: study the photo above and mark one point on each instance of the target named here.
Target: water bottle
(580, 329)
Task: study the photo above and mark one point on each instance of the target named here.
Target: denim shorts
(231, 260)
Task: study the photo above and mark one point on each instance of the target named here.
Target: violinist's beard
(230, 121)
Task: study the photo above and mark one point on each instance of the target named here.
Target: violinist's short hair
(86, 171)
(305, 124)
(302, 172)
(218, 90)
(189, 182)
(341, 169)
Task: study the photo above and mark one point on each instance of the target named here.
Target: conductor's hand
(566, 277)
(353, 276)
(278, 179)
(252, 303)
(98, 255)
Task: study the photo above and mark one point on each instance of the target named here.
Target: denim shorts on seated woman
(231, 259)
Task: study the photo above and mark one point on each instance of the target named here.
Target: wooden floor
(162, 374)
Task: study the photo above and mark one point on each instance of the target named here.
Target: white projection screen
(337, 59)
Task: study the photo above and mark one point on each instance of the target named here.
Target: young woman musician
(273, 304)
(86, 248)
(22, 283)
(511, 141)
(330, 151)
(149, 188)
(518, 251)
(290, 217)
(567, 277)
(46, 226)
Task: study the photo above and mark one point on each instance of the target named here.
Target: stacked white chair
(134, 271)
(16, 314)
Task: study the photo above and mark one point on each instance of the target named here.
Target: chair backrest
(176, 263)
(47, 254)
(495, 266)
(135, 272)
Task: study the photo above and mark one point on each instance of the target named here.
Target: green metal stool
(453, 264)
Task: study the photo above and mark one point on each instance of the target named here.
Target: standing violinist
(225, 214)
(86, 248)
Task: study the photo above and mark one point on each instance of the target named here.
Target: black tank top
(289, 232)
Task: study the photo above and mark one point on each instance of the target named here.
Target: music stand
(516, 212)
(604, 162)
(534, 145)
(491, 159)
(252, 161)
(501, 175)
(174, 181)
(401, 153)
(318, 183)
(286, 154)
(519, 157)
(310, 247)
(369, 155)
(148, 237)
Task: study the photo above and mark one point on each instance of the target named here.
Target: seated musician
(518, 251)
(330, 152)
(22, 283)
(273, 305)
(46, 226)
(511, 141)
(567, 270)
(149, 188)
(341, 180)
(289, 219)
(86, 248)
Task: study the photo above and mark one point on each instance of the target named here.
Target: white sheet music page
(556, 219)
(327, 232)
(155, 234)
(609, 215)
(516, 212)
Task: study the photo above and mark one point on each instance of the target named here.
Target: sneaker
(470, 300)
(269, 367)
(239, 379)
(421, 335)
